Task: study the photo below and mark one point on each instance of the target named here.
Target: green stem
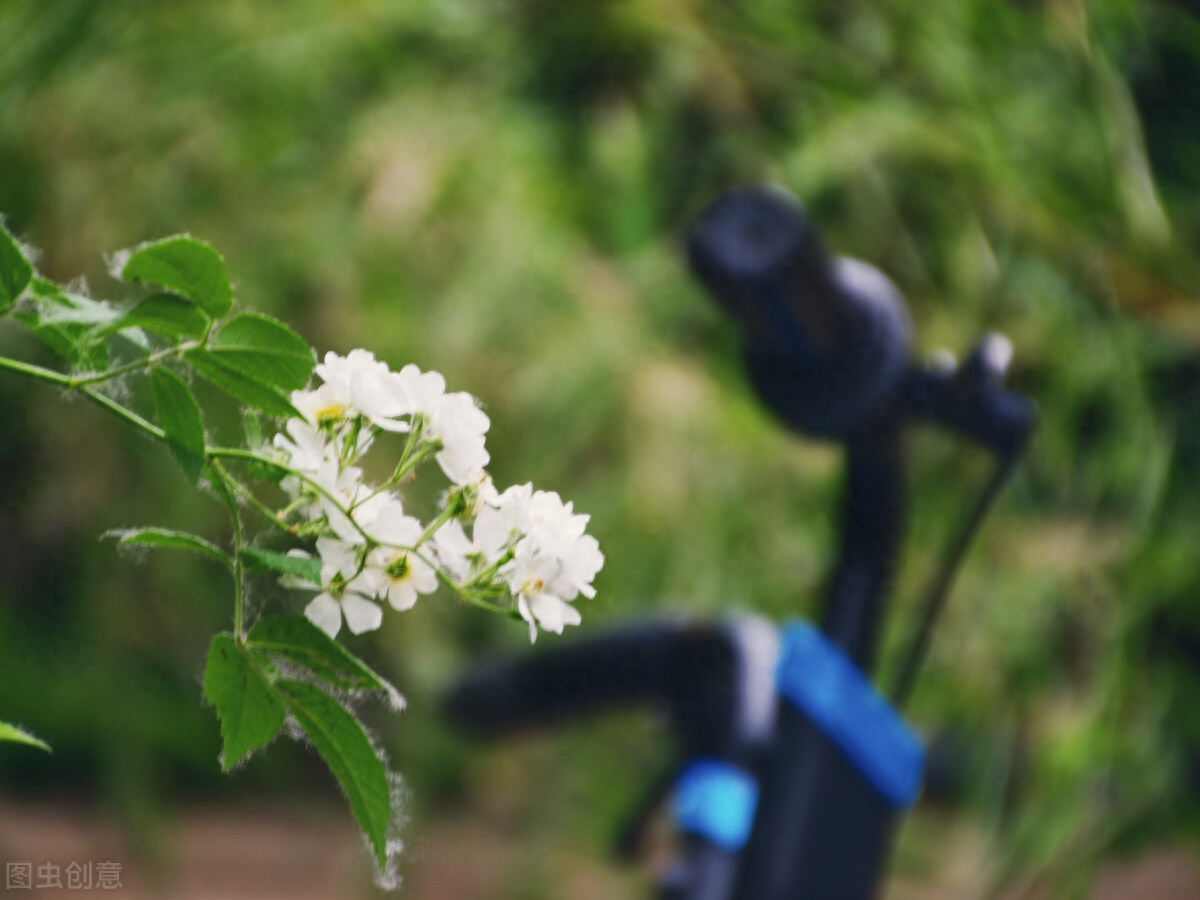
(490, 607)
(420, 456)
(248, 495)
(443, 517)
(65, 381)
(48, 375)
(251, 456)
(239, 567)
(486, 576)
(406, 465)
(291, 508)
(108, 374)
(128, 415)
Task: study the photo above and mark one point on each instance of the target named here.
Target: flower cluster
(525, 547)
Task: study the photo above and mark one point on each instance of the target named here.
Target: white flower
(357, 383)
(393, 572)
(419, 392)
(463, 557)
(460, 426)
(308, 447)
(369, 385)
(577, 565)
(340, 489)
(324, 405)
(398, 576)
(479, 492)
(554, 561)
(341, 593)
(529, 543)
(455, 420)
(502, 522)
(532, 581)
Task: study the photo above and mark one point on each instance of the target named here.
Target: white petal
(340, 523)
(392, 526)
(370, 582)
(523, 609)
(361, 614)
(396, 426)
(553, 613)
(423, 577)
(325, 613)
(402, 595)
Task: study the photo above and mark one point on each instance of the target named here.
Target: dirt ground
(273, 852)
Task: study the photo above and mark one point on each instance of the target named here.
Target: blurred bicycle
(793, 769)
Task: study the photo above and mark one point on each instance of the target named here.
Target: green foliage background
(496, 190)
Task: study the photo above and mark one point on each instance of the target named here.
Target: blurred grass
(496, 190)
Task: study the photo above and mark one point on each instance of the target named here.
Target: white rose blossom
(525, 544)
(342, 593)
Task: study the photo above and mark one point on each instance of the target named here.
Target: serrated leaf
(167, 314)
(308, 568)
(297, 639)
(179, 416)
(238, 385)
(249, 708)
(265, 350)
(188, 267)
(341, 742)
(15, 269)
(176, 540)
(17, 735)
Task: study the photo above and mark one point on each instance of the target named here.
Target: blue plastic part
(818, 678)
(716, 800)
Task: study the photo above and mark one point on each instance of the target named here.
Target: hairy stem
(251, 456)
(108, 374)
(239, 567)
(65, 381)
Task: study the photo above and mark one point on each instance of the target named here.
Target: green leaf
(71, 340)
(342, 743)
(250, 709)
(167, 314)
(21, 736)
(15, 269)
(297, 639)
(179, 416)
(252, 425)
(176, 540)
(253, 393)
(264, 349)
(188, 267)
(69, 324)
(308, 568)
(45, 290)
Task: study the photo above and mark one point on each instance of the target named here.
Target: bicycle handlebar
(826, 340)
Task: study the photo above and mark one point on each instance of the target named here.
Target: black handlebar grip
(665, 665)
(704, 676)
(826, 340)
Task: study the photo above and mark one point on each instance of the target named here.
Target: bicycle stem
(822, 830)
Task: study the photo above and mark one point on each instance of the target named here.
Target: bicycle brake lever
(972, 400)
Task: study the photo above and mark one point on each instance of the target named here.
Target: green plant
(527, 555)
